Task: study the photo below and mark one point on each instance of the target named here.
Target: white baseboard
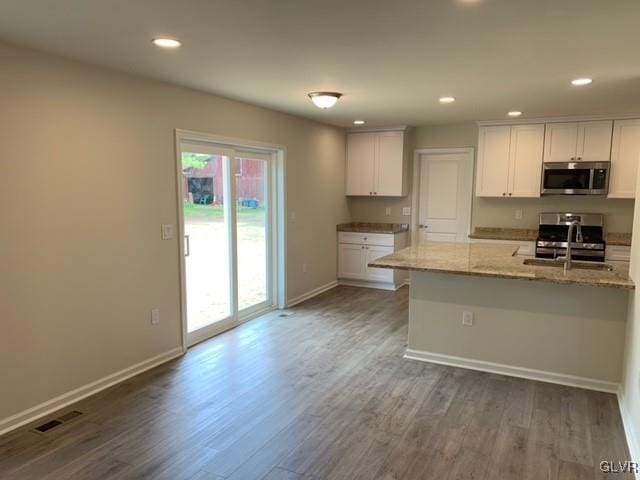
(364, 284)
(50, 406)
(540, 375)
(632, 440)
(312, 293)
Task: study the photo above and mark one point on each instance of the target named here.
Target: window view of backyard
(207, 263)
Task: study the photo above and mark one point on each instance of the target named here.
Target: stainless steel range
(587, 241)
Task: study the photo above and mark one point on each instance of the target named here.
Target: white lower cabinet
(357, 250)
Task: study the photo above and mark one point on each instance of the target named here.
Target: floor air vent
(45, 427)
(69, 416)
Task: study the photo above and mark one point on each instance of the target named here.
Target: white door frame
(277, 222)
(415, 199)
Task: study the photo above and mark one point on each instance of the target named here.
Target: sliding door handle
(187, 246)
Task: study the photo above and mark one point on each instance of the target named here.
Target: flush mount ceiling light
(324, 99)
(358, 122)
(165, 42)
(579, 82)
(514, 113)
(446, 99)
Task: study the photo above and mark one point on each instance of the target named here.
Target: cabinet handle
(509, 193)
(573, 159)
(579, 158)
(503, 194)
(370, 193)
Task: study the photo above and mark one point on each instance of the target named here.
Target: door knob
(423, 226)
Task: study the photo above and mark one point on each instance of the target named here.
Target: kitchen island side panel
(571, 330)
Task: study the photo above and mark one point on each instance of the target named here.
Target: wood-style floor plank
(323, 394)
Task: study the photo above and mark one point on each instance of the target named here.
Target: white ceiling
(391, 59)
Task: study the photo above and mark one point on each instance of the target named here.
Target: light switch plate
(387, 211)
(406, 211)
(518, 214)
(155, 316)
(167, 231)
(467, 318)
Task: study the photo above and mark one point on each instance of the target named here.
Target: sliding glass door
(226, 224)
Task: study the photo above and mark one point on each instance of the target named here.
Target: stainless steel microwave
(575, 178)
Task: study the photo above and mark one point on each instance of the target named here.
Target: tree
(194, 160)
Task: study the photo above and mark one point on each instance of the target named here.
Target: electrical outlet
(467, 318)
(406, 211)
(155, 316)
(167, 231)
(387, 211)
(518, 214)
(304, 268)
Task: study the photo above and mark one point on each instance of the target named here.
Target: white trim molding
(311, 293)
(50, 406)
(377, 285)
(632, 440)
(513, 371)
(573, 118)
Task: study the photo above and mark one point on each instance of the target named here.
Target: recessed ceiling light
(358, 122)
(514, 113)
(166, 42)
(447, 99)
(324, 99)
(581, 81)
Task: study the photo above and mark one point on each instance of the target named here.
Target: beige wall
(88, 177)
(492, 212)
(564, 329)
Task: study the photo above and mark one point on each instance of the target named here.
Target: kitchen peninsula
(479, 306)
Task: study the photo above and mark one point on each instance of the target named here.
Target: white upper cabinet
(560, 142)
(360, 159)
(578, 141)
(389, 171)
(525, 160)
(376, 164)
(625, 155)
(509, 161)
(594, 141)
(492, 174)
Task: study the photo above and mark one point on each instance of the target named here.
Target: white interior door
(445, 193)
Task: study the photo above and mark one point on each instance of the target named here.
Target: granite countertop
(515, 234)
(530, 235)
(363, 227)
(619, 239)
(485, 260)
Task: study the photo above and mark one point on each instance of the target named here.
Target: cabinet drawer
(382, 239)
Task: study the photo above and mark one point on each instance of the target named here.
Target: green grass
(253, 215)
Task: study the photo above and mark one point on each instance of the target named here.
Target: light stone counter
(498, 261)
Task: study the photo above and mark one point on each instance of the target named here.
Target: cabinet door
(525, 165)
(378, 274)
(389, 166)
(360, 163)
(492, 176)
(594, 141)
(560, 142)
(625, 155)
(351, 261)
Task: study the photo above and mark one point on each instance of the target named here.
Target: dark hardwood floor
(324, 394)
